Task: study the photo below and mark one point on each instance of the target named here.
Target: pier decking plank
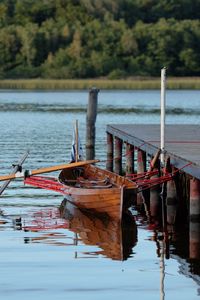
(182, 142)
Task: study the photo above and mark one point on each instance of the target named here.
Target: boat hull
(105, 201)
(109, 198)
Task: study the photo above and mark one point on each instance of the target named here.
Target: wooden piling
(194, 199)
(194, 247)
(110, 148)
(171, 198)
(171, 202)
(118, 156)
(141, 161)
(141, 168)
(194, 218)
(155, 200)
(90, 123)
(129, 159)
(154, 193)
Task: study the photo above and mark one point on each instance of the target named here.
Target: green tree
(34, 11)
(9, 48)
(27, 37)
(3, 14)
(86, 38)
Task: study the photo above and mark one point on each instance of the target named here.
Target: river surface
(46, 256)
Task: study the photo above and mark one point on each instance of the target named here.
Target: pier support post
(171, 201)
(194, 248)
(194, 199)
(194, 218)
(141, 168)
(129, 159)
(118, 156)
(90, 120)
(141, 161)
(155, 200)
(171, 193)
(110, 148)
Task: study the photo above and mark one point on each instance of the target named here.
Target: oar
(47, 170)
(16, 168)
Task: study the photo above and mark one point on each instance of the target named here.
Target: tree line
(99, 38)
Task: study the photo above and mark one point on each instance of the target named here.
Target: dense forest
(99, 38)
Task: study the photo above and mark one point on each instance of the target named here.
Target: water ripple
(104, 109)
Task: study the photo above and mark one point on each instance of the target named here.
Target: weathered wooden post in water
(90, 121)
(118, 156)
(129, 159)
(171, 193)
(141, 168)
(110, 148)
(194, 218)
(141, 161)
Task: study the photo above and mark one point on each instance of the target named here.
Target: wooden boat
(85, 185)
(93, 188)
(98, 190)
(115, 240)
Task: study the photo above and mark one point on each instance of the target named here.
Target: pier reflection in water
(175, 236)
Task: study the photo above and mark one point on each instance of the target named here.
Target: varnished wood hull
(116, 239)
(105, 201)
(99, 198)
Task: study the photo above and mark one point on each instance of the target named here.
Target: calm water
(50, 257)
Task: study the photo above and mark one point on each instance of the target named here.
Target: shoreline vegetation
(104, 39)
(138, 83)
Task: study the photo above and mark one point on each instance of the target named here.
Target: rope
(148, 183)
(142, 175)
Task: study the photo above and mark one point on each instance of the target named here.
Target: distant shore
(138, 83)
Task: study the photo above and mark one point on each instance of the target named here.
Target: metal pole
(162, 115)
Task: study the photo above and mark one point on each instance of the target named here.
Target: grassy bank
(79, 84)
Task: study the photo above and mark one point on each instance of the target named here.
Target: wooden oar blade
(61, 167)
(47, 169)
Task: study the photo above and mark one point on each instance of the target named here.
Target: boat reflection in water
(116, 239)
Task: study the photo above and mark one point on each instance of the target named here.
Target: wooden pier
(182, 147)
(182, 143)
